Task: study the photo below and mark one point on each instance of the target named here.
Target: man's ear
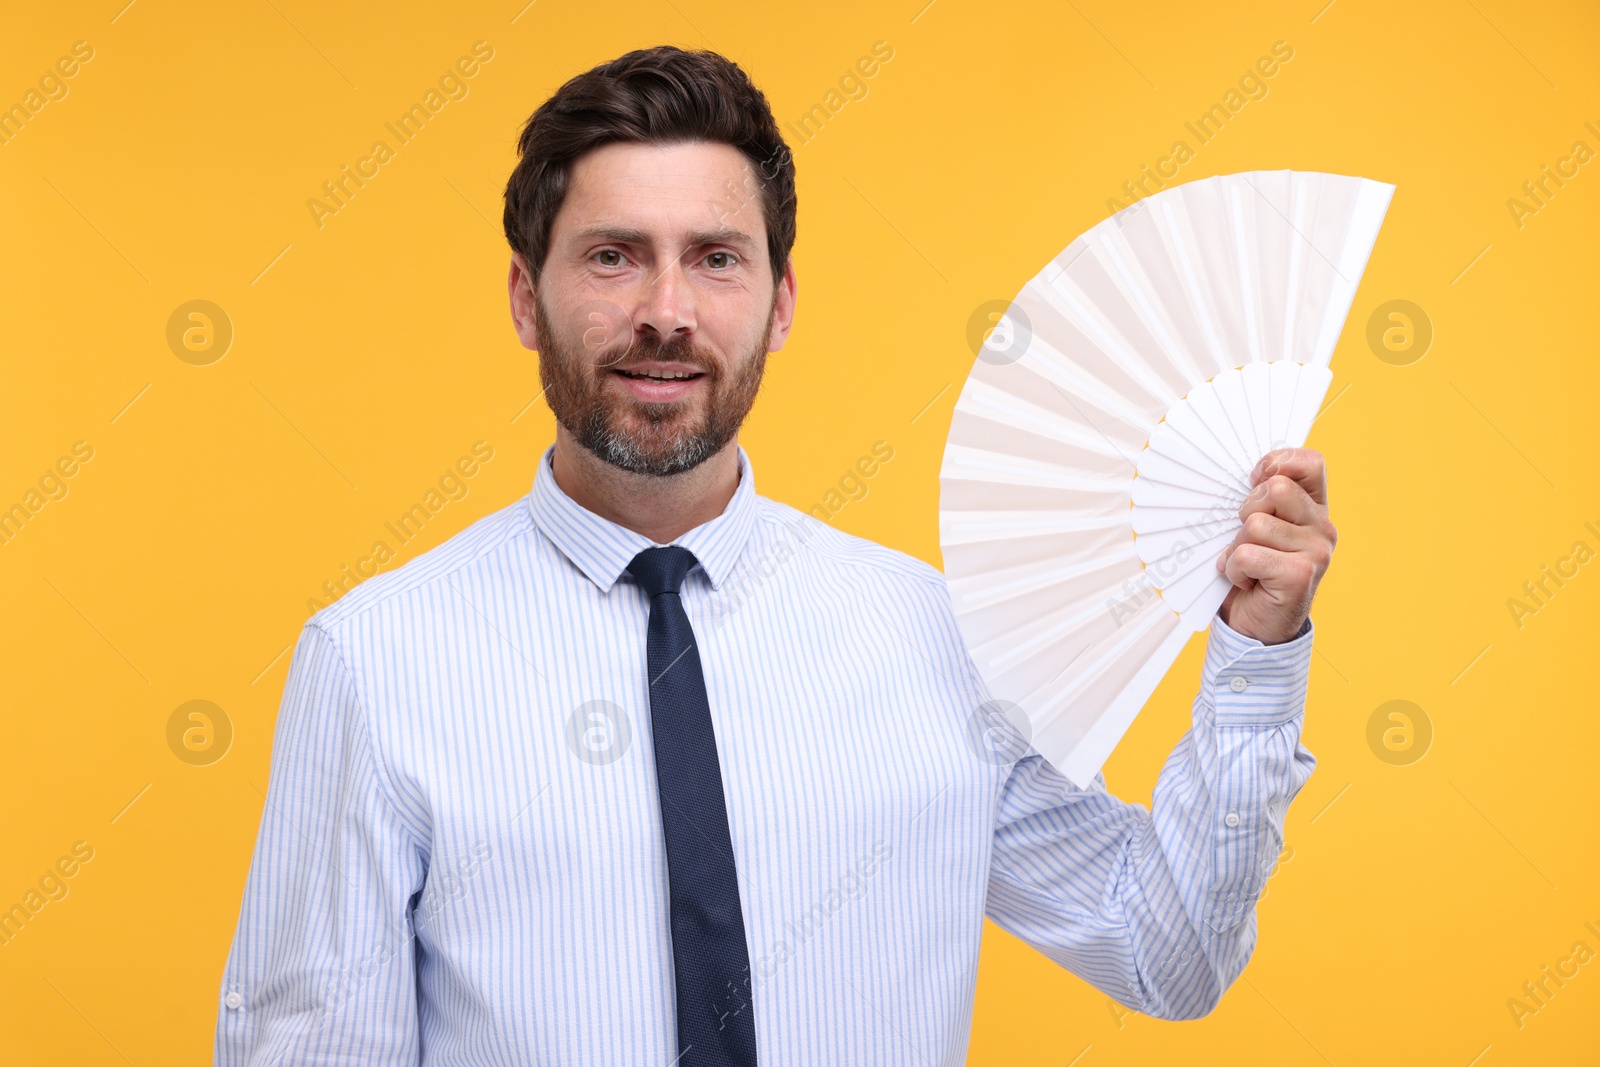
(782, 309)
(519, 286)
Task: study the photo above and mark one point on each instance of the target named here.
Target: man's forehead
(629, 191)
(689, 167)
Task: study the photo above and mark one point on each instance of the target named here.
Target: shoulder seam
(522, 521)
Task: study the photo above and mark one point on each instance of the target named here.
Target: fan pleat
(1095, 674)
(1034, 659)
(1059, 603)
(980, 497)
(993, 423)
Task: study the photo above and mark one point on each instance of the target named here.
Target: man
(648, 769)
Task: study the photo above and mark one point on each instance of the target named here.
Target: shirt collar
(602, 549)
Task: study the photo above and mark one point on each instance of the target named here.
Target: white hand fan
(1103, 443)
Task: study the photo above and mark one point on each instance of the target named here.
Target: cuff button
(234, 1001)
(1238, 683)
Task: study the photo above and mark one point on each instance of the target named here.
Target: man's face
(656, 308)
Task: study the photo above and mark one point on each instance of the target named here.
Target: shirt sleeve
(1156, 908)
(321, 969)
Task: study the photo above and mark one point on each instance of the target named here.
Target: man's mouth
(659, 382)
(659, 376)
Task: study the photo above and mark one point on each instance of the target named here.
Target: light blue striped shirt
(460, 858)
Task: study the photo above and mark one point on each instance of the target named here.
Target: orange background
(1414, 898)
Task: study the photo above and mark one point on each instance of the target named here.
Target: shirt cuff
(1247, 682)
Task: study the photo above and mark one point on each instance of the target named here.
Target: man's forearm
(1218, 810)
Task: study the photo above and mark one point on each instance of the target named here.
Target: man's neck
(662, 509)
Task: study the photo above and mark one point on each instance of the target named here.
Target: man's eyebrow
(725, 235)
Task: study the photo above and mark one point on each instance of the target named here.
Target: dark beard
(573, 380)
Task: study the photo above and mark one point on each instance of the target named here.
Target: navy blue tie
(710, 962)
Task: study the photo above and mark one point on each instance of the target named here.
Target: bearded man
(646, 768)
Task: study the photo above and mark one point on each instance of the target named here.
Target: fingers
(1304, 466)
(1284, 497)
(1269, 531)
(1252, 563)
(1288, 498)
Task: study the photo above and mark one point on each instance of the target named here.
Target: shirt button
(1238, 684)
(234, 1001)
(1232, 818)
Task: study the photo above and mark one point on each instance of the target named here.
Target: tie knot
(661, 570)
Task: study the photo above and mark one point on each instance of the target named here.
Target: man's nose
(667, 304)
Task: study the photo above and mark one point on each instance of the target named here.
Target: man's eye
(726, 257)
(609, 252)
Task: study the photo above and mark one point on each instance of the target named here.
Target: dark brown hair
(661, 95)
